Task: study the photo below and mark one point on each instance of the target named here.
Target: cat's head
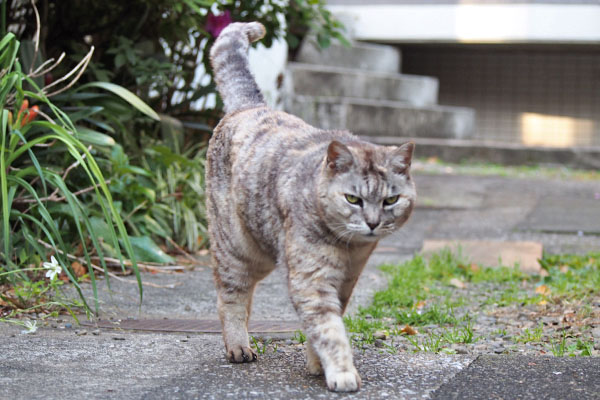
(366, 191)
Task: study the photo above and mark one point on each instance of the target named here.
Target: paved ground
(57, 363)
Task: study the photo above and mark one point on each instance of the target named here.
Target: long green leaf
(126, 95)
(4, 189)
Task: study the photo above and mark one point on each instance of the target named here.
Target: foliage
(42, 211)
(154, 47)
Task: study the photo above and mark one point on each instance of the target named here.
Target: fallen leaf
(543, 290)
(78, 269)
(419, 304)
(408, 330)
(458, 283)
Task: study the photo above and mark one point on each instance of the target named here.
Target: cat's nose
(373, 225)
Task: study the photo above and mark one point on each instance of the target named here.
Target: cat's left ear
(401, 157)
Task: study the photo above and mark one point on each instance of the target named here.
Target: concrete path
(58, 363)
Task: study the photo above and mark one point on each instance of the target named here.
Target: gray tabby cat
(283, 193)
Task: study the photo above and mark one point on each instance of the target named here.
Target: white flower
(53, 268)
(30, 327)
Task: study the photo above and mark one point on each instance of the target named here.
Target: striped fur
(276, 197)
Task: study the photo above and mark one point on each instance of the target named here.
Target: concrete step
(504, 153)
(318, 80)
(383, 118)
(371, 57)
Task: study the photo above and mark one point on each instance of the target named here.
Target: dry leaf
(458, 283)
(408, 330)
(543, 290)
(419, 305)
(78, 269)
(543, 303)
(564, 269)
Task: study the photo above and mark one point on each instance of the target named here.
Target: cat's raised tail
(229, 59)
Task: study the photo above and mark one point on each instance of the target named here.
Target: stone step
(366, 56)
(383, 118)
(318, 80)
(504, 153)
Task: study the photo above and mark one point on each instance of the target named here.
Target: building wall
(535, 95)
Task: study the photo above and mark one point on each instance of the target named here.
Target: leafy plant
(159, 48)
(41, 212)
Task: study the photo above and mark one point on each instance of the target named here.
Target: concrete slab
(318, 80)
(440, 193)
(369, 117)
(505, 153)
(522, 377)
(192, 295)
(365, 56)
(566, 215)
(490, 253)
(61, 365)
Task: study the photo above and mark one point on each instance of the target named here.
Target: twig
(79, 68)
(40, 72)
(182, 251)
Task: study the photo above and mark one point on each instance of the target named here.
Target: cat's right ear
(339, 157)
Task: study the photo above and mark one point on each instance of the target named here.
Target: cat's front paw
(241, 354)
(344, 381)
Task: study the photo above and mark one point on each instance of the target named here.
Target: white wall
(481, 23)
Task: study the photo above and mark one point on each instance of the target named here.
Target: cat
(281, 193)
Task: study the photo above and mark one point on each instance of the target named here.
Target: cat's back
(262, 140)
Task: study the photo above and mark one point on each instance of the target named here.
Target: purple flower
(216, 23)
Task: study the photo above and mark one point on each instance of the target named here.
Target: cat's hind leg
(238, 267)
(234, 300)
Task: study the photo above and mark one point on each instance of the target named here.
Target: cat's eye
(391, 200)
(353, 199)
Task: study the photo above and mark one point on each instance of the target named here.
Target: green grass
(420, 293)
(530, 335)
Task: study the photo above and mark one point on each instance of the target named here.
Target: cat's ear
(401, 157)
(339, 157)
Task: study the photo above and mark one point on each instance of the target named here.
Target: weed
(462, 333)
(585, 347)
(299, 336)
(558, 348)
(499, 332)
(260, 346)
(433, 342)
(533, 335)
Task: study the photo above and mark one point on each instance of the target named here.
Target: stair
(318, 80)
(368, 57)
(361, 90)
